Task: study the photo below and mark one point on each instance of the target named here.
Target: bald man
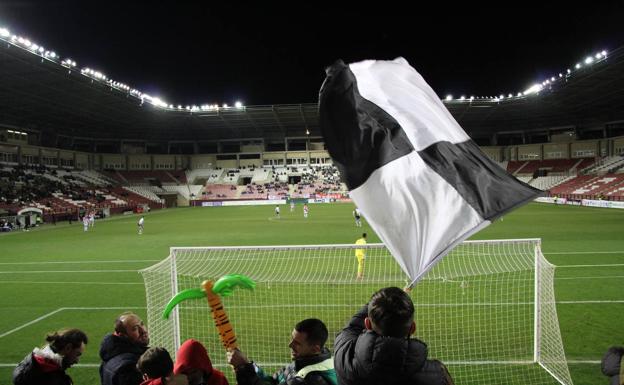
(121, 350)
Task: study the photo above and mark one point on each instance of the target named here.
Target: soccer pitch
(58, 276)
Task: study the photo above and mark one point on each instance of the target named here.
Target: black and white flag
(422, 184)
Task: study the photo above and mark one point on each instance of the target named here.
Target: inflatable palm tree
(224, 286)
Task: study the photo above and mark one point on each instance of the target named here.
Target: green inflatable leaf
(181, 296)
(226, 284)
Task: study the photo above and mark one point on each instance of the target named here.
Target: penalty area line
(62, 309)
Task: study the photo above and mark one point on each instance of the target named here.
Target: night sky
(201, 53)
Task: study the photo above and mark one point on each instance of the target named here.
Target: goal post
(487, 309)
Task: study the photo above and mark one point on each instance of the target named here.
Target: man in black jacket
(375, 347)
(121, 350)
(47, 366)
(312, 363)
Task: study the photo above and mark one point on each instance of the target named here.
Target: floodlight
(577, 66)
(449, 97)
(5, 32)
(589, 60)
(533, 89)
(238, 104)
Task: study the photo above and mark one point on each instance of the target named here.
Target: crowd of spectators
(374, 347)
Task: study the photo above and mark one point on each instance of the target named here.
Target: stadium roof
(42, 93)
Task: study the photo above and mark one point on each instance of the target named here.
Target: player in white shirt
(140, 224)
(292, 207)
(277, 212)
(357, 215)
(85, 222)
(305, 210)
(92, 219)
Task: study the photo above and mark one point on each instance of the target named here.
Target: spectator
(121, 350)
(375, 346)
(156, 366)
(611, 365)
(312, 362)
(193, 361)
(47, 366)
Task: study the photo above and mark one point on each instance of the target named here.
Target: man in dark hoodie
(375, 347)
(193, 361)
(121, 350)
(46, 366)
(312, 363)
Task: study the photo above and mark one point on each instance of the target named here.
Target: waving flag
(419, 180)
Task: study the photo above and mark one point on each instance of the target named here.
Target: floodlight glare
(589, 60)
(238, 104)
(533, 89)
(604, 53)
(449, 97)
(5, 32)
(577, 66)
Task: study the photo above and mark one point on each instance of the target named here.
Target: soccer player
(360, 254)
(357, 215)
(292, 206)
(277, 212)
(140, 224)
(305, 210)
(92, 219)
(85, 222)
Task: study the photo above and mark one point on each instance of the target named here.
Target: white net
(487, 309)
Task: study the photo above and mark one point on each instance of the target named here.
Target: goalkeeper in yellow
(360, 254)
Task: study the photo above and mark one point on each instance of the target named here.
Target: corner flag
(422, 184)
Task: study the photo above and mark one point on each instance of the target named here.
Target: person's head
(364, 235)
(155, 363)
(308, 338)
(68, 343)
(391, 313)
(129, 325)
(193, 361)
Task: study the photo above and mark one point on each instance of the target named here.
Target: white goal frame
(168, 272)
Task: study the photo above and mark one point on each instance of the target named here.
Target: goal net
(487, 309)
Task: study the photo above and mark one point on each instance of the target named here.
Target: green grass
(60, 267)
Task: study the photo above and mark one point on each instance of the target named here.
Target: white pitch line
(67, 308)
(67, 271)
(71, 283)
(31, 322)
(604, 265)
(286, 306)
(592, 362)
(79, 262)
(584, 252)
(597, 277)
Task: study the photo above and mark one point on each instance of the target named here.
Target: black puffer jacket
(363, 357)
(29, 372)
(119, 358)
(611, 364)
